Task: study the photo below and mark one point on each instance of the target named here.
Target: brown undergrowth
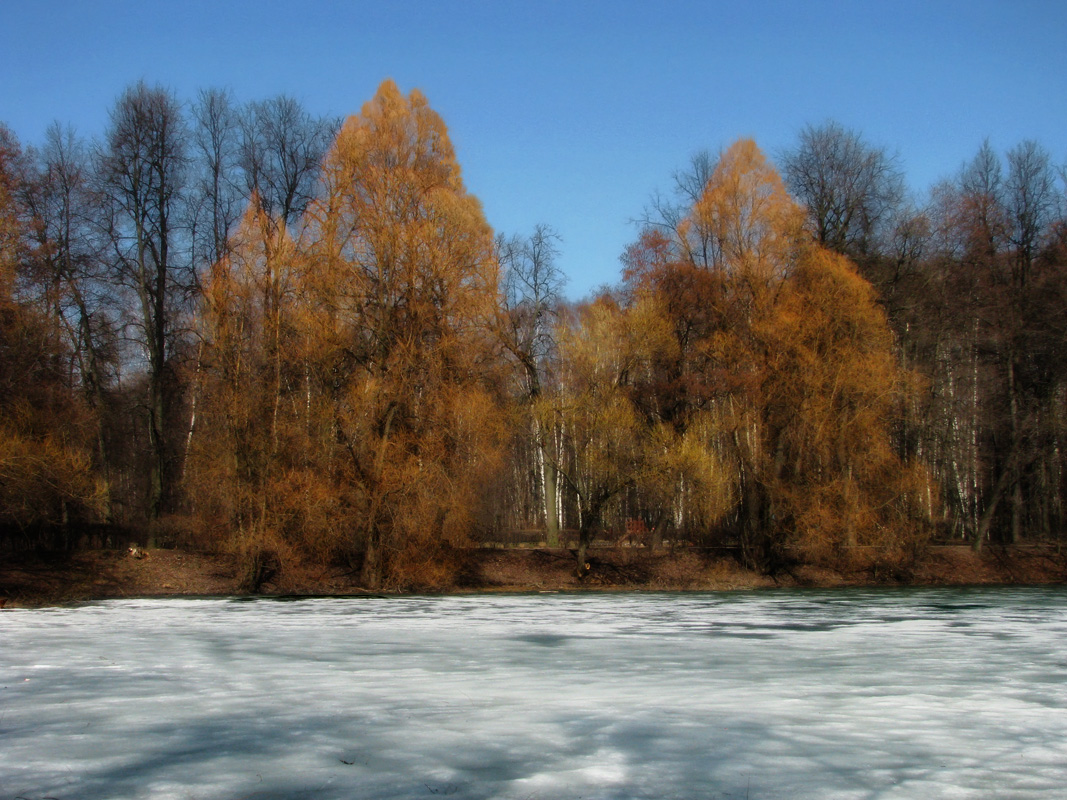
(34, 579)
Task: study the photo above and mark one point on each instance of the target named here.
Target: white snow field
(777, 694)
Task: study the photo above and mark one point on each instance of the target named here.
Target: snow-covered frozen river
(783, 694)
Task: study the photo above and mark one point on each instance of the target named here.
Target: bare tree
(217, 195)
(282, 147)
(46, 481)
(1030, 197)
(140, 170)
(78, 289)
(981, 188)
(850, 188)
(532, 285)
(666, 213)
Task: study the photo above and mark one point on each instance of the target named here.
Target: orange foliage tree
(349, 405)
(789, 363)
(400, 282)
(249, 471)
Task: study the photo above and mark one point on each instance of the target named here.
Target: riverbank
(31, 580)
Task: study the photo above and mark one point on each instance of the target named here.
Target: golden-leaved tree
(786, 362)
(607, 446)
(828, 395)
(817, 384)
(400, 281)
(252, 470)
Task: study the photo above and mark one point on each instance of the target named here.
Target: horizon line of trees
(242, 327)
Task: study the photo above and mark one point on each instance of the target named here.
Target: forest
(237, 327)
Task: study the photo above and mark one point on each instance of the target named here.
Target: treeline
(241, 327)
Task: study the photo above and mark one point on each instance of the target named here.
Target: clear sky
(573, 113)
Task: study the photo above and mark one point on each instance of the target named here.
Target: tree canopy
(297, 339)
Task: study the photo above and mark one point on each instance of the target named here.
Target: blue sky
(573, 113)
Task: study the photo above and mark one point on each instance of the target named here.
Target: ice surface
(787, 694)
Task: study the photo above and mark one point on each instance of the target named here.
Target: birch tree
(604, 440)
(530, 300)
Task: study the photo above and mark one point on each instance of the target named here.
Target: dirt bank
(27, 579)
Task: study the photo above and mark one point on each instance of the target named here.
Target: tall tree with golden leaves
(820, 383)
(787, 366)
(246, 458)
(401, 284)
